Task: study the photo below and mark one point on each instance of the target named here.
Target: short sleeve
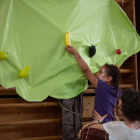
(107, 92)
(109, 128)
(104, 90)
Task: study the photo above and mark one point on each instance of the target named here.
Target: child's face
(101, 74)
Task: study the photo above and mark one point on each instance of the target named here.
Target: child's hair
(114, 72)
(131, 104)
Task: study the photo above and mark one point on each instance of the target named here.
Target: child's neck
(109, 83)
(131, 124)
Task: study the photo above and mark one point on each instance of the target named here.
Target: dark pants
(71, 123)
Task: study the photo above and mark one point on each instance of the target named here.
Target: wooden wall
(42, 121)
(138, 30)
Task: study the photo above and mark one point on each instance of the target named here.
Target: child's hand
(97, 116)
(71, 49)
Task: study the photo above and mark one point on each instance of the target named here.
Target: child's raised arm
(83, 65)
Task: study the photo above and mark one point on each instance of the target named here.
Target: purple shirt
(105, 100)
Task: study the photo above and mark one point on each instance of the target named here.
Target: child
(106, 83)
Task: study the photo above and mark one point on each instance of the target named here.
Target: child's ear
(109, 79)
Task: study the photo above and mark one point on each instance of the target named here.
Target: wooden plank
(136, 73)
(89, 91)
(125, 70)
(36, 113)
(130, 78)
(34, 122)
(127, 86)
(21, 100)
(88, 105)
(8, 92)
(41, 138)
(128, 9)
(134, 13)
(30, 122)
(12, 100)
(2, 88)
(29, 131)
(121, 78)
(40, 104)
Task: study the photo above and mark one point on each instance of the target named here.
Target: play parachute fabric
(32, 33)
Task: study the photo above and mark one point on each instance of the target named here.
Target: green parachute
(32, 33)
